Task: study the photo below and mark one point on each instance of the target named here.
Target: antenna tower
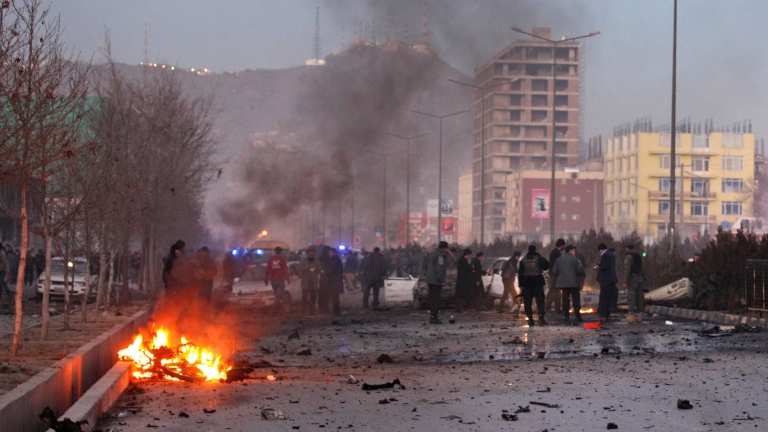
(146, 46)
(425, 25)
(317, 34)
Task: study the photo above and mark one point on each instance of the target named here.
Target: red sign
(449, 225)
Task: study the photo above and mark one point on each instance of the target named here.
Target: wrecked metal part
(388, 385)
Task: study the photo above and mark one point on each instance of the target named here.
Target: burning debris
(163, 357)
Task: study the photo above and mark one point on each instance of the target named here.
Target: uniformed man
(435, 277)
(633, 282)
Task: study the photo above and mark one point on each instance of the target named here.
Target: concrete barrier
(100, 396)
(62, 384)
(718, 318)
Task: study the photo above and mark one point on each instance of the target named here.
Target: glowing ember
(583, 310)
(173, 359)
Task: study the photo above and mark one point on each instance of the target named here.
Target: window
(562, 216)
(575, 217)
(576, 198)
(733, 163)
(621, 164)
(498, 226)
(699, 209)
(700, 186)
(700, 163)
(664, 161)
(700, 141)
(733, 140)
(664, 183)
(664, 207)
(732, 208)
(732, 185)
(621, 189)
(563, 198)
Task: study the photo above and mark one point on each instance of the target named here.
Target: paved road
(464, 376)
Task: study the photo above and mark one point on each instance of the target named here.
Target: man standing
(332, 281)
(633, 282)
(606, 277)
(29, 269)
(531, 279)
(569, 273)
(374, 271)
(350, 270)
(465, 281)
(435, 277)
(309, 270)
(508, 274)
(13, 263)
(277, 272)
(554, 294)
(479, 289)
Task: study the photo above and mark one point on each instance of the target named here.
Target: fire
(583, 310)
(174, 361)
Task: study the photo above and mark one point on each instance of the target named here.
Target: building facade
(715, 177)
(464, 211)
(579, 205)
(515, 120)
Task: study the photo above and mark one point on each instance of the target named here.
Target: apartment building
(465, 207)
(714, 171)
(517, 120)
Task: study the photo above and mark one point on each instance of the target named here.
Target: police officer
(531, 270)
(435, 277)
(633, 282)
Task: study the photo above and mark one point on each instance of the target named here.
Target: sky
(721, 62)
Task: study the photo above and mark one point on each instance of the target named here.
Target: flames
(173, 359)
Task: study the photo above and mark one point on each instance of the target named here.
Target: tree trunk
(102, 267)
(87, 290)
(47, 284)
(67, 294)
(125, 295)
(112, 277)
(22, 265)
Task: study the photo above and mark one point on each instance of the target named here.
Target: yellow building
(715, 171)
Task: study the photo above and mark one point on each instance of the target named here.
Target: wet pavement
(464, 376)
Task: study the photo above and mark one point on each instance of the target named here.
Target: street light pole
(673, 131)
(552, 199)
(440, 168)
(482, 162)
(384, 193)
(407, 178)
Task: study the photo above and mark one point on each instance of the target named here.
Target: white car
(492, 282)
(76, 272)
(398, 289)
(250, 288)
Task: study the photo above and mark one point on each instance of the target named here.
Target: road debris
(385, 358)
(525, 409)
(294, 335)
(272, 414)
(207, 411)
(388, 385)
(182, 414)
(544, 404)
(509, 417)
(352, 380)
(608, 349)
(612, 426)
(515, 341)
(49, 418)
(304, 352)
(684, 404)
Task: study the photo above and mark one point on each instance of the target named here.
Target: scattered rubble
(272, 414)
(49, 418)
(388, 385)
(684, 404)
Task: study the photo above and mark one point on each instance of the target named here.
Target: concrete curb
(100, 396)
(62, 384)
(715, 317)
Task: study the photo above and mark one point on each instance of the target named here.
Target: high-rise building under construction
(518, 123)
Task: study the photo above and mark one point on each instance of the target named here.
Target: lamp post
(384, 192)
(673, 128)
(482, 162)
(554, 43)
(407, 177)
(440, 168)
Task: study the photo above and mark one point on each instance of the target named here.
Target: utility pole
(673, 130)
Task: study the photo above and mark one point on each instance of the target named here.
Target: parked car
(421, 290)
(250, 288)
(494, 287)
(77, 269)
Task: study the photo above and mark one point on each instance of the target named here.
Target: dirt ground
(465, 376)
(35, 354)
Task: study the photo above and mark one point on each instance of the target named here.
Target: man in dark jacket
(530, 272)
(350, 270)
(465, 281)
(479, 289)
(309, 271)
(632, 281)
(374, 272)
(554, 294)
(332, 281)
(435, 276)
(606, 277)
(569, 273)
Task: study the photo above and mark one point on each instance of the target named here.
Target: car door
(496, 285)
(399, 289)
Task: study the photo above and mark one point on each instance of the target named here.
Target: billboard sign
(540, 203)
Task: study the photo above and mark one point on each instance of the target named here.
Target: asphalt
(464, 376)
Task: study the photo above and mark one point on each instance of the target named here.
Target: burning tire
(184, 372)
